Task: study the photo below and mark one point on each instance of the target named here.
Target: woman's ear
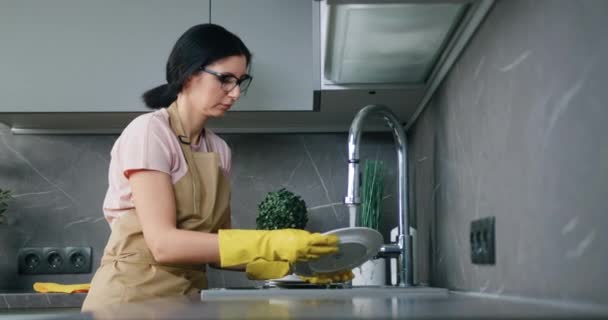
(191, 79)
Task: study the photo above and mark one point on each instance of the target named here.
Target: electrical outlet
(54, 260)
(483, 241)
(30, 260)
(78, 260)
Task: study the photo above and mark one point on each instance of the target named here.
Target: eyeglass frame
(222, 78)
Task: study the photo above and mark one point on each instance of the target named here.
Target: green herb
(373, 185)
(280, 210)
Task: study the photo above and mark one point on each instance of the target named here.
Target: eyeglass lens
(229, 83)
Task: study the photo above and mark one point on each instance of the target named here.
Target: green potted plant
(5, 196)
(280, 210)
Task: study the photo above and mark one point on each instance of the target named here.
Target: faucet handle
(389, 250)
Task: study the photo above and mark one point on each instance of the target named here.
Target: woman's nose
(235, 93)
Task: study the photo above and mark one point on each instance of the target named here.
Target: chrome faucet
(403, 246)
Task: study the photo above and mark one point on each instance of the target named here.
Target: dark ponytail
(198, 47)
(159, 97)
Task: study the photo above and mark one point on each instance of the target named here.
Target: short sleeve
(144, 145)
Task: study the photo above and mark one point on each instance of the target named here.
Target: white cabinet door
(284, 40)
(88, 56)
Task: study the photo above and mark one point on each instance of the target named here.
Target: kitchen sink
(335, 292)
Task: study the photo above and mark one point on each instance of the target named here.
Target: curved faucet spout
(352, 196)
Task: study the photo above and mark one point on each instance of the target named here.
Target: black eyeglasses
(229, 82)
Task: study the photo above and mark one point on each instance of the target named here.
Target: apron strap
(178, 129)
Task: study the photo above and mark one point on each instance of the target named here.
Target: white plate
(357, 245)
(292, 278)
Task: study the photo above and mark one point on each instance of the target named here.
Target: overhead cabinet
(73, 66)
(100, 56)
(283, 36)
(87, 56)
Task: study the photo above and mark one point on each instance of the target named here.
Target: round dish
(357, 245)
(290, 278)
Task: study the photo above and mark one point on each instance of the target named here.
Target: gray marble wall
(518, 131)
(59, 184)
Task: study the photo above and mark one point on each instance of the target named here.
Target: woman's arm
(155, 206)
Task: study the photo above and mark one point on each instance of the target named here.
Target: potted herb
(5, 196)
(280, 210)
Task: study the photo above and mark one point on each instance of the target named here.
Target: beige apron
(128, 271)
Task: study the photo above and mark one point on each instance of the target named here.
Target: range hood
(387, 52)
(383, 43)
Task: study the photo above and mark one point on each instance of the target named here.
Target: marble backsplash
(518, 131)
(59, 183)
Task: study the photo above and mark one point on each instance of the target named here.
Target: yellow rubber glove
(262, 269)
(332, 277)
(240, 247)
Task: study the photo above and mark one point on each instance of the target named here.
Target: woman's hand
(241, 247)
(263, 270)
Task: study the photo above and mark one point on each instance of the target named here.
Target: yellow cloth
(46, 287)
(240, 247)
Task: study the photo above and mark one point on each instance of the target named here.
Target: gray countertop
(33, 300)
(419, 306)
(446, 306)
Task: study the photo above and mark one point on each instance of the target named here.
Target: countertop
(35, 300)
(448, 306)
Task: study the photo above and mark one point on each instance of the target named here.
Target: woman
(168, 196)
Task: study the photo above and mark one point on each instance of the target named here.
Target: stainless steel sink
(264, 293)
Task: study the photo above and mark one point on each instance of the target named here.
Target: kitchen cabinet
(88, 56)
(74, 67)
(100, 56)
(283, 36)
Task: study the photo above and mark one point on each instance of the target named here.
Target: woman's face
(204, 90)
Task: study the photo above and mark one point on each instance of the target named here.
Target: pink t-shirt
(148, 143)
